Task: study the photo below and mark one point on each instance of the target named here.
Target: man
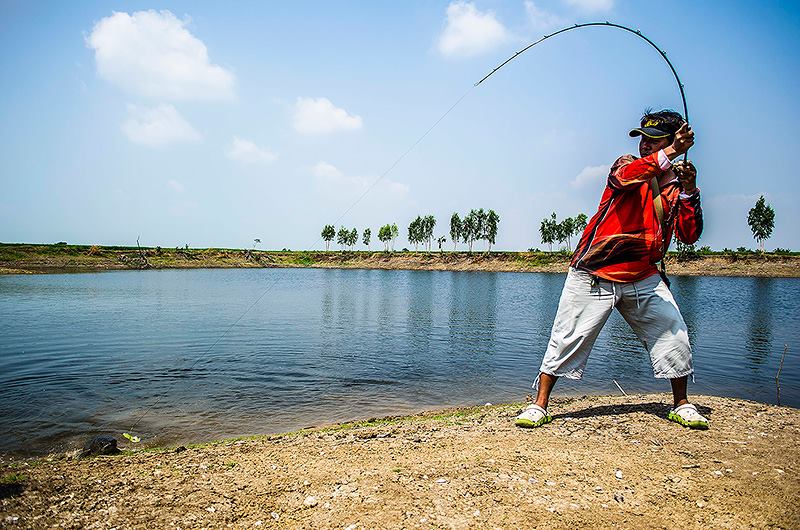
(645, 201)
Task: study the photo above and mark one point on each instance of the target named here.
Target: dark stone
(180, 449)
(101, 445)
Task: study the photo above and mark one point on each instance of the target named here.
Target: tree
(353, 239)
(441, 240)
(580, 223)
(395, 232)
(567, 230)
(455, 229)
(367, 235)
(469, 229)
(415, 232)
(761, 219)
(427, 225)
(343, 236)
(491, 227)
(328, 233)
(256, 241)
(480, 224)
(385, 235)
(559, 233)
(548, 230)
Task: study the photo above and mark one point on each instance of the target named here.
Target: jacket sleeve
(629, 171)
(689, 222)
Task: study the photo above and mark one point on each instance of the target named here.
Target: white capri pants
(648, 307)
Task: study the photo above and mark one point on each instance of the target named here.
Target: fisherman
(645, 201)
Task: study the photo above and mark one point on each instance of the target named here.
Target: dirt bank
(603, 462)
(21, 259)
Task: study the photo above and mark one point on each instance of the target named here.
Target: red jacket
(623, 241)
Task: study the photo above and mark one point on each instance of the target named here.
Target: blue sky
(215, 123)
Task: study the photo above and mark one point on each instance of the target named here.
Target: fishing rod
(136, 439)
(602, 24)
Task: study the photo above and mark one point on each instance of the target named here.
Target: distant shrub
(782, 251)
(705, 250)
(94, 250)
(685, 252)
(743, 250)
(61, 243)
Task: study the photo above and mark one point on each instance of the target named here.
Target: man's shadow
(654, 408)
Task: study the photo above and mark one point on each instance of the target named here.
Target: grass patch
(13, 478)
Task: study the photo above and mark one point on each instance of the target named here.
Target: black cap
(652, 129)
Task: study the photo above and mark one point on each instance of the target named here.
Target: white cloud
(152, 54)
(590, 175)
(468, 31)
(591, 5)
(332, 181)
(735, 199)
(246, 151)
(159, 125)
(325, 170)
(176, 186)
(320, 116)
(541, 19)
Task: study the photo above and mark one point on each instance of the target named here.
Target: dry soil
(603, 462)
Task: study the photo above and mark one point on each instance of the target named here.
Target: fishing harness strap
(659, 208)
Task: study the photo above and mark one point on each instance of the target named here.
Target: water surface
(90, 353)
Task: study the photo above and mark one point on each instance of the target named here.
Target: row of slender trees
(475, 226)
(552, 230)
(421, 231)
(349, 237)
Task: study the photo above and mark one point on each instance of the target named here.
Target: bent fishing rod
(601, 24)
(136, 439)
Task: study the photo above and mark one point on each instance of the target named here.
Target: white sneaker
(533, 416)
(688, 416)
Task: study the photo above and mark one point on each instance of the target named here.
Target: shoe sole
(528, 424)
(699, 425)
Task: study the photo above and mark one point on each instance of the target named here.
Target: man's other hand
(684, 139)
(687, 174)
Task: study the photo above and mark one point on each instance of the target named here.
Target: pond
(178, 355)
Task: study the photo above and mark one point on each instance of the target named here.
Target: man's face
(648, 146)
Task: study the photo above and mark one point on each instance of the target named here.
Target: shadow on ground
(10, 490)
(656, 409)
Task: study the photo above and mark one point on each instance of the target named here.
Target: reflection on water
(759, 339)
(88, 353)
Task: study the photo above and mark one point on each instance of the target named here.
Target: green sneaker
(688, 416)
(532, 416)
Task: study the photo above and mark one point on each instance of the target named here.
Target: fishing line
(311, 247)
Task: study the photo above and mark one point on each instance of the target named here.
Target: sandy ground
(604, 462)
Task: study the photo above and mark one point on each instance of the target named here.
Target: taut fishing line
(380, 177)
(638, 33)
